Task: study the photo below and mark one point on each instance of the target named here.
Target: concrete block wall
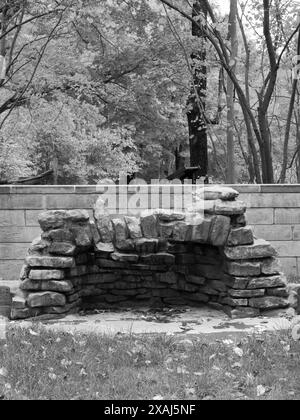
(273, 211)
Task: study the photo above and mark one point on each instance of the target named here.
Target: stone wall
(205, 255)
(273, 211)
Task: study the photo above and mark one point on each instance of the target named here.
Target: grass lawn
(37, 364)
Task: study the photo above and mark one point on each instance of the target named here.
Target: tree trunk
(196, 103)
(232, 36)
(290, 114)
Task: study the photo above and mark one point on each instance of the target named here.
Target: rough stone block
(127, 245)
(201, 229)
(146, 246)
(181, 232)
(95, 233)
(243, 269)
(58, 235)
(131, 258)
(241, 236)
(50, 262)
(268, 302)
(149, 226)
(195, 279)
(267, 282)
(55, 219)
(134, 227)
(64, 286)
(105, 229)
(220, 193)
(246, 293)
(46, 275)
(62, 248)
(234, 302)
(260, 249)
(44, 299)
(271, 266)
(219, 230)
(229, 208)
(104, 248)
(279, 292)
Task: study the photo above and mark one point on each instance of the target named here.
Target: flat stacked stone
(206, 255)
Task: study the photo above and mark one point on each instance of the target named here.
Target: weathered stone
(237, 282)
(158, 259)
(127, 245)
(241, 236)
(134, 228)
(48, 285)
(38, 300)
(95, 233)
(293, 300)
(196, 279)
(18, 302)
(170, 277)
(46, 275)
(207, 290)
(170, 216)
(149, 226)
(271, 266)
(133, 258)
(229, 208)
(181, 232)
(246, 293)
(239, 221)
(58, 235)
(60, 310)
(146, 246)
(243, 269)
(25, 271)
(241, 312)
(105, 229)
(267, 282)
(55, 219)
(219, 230)
(38, 247)
(220, 193)
(120, 229)
(24, 313)
(279, 292)
(234, 302)
(104, 248)
(166, 230)
(50, 262)
(62, 248)
(260, 249)
(83, 236)
(268, 302)
(200, 229)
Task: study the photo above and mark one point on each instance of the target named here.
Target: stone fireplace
(160, 258)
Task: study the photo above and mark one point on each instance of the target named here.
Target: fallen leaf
(3, 372)
(260, 390)
(158, 397)
(239, 352)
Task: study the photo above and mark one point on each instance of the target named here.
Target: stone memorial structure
(160, 258)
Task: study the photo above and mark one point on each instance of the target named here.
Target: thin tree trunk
(290, 115)
(232, 36)
(196, 103)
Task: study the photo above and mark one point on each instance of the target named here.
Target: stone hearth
(161, 258)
